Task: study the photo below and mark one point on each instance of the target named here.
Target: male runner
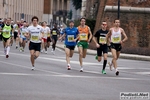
(71, 36)
(46, 34)
(35, 32)
(115, 37)
(100, 41)
(16, 33)
(55, 32)
(6, 35)
(84, 32)
(23, 30)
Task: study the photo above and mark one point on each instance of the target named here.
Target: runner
(115, 38)
(100, 41)
(44, 39)
(71, 34)
(36, 32)
(55, 32)
(84, 32)
(6, 34)
(16, 33)
(23, 30)
(12, 35)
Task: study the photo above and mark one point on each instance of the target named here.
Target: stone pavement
(122, 55)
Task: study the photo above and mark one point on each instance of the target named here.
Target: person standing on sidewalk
(115, 38)
(35, 32)
(6, 35)
(84, 33)
(71, 36)
(101, 44)
(55, 32)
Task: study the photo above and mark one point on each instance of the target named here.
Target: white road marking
(68, 76)
(29, 67)
(142, 73)
(58, 60)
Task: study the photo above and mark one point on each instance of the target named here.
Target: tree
(77, 4)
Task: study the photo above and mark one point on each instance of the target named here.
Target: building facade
(56, 10)
(21, 9)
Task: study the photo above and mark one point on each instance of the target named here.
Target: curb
(123, 56)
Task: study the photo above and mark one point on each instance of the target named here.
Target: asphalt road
(52, 81)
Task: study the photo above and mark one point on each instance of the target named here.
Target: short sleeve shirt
(35, 32)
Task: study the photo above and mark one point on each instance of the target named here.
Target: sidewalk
(122, 55)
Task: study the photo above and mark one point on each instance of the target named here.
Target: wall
(28, 8)
(136, 25)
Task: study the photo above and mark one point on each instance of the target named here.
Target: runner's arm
(125, 36)
(1, 28)
(108, 36)
(90, 34)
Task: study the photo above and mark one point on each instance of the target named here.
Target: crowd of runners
(38, 37)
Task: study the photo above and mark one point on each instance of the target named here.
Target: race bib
(83, 36)
(102, 40)
(48, 35)
(70, 38)
(45, 34)
(34, 38)
(116, 39)
(23, 33)
(54, 33)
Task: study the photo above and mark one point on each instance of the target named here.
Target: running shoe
(103, 72)
(117, 73)
(7, 56)
(96, 57)
(81, 70)
(42, 51)
(69, 68)
(110, 65)
(45, 52)
(33, 68)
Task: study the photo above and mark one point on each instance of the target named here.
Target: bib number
(116, 39)
(70, 38)
(35, 38)
(102, 40)
(83, 36)
(54, 33)
(23, 33)
(45, 34)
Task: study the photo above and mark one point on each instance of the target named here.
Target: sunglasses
(104, 24)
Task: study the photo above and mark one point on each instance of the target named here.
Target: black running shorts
(102, 49)
(35, 46)
(117, 47)
(70, 47)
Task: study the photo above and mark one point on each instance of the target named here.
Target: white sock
(8, 49)
(116, 69)
(68, 64)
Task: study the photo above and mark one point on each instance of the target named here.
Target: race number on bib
(102, 40)
(54, 33)
(116, 39)
(70, 38)
(45, 34)
(83, 36)
(34, 38)
(23, 33)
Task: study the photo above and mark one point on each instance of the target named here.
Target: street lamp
(118, 9)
